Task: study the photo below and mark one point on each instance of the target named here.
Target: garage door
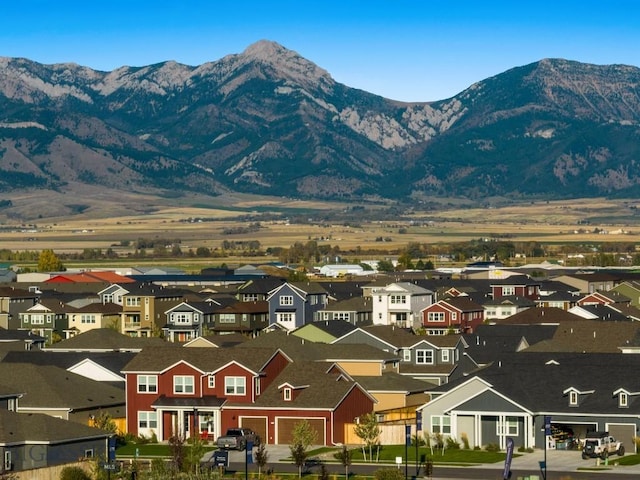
(284, 429)
(625, 434)
(258, 425)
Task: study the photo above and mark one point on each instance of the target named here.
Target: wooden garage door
(624, 433)
(284, 427)
(258, 425)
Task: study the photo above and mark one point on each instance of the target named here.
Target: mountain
(268, 121)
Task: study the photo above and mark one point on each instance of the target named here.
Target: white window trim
(147, 383)
(231, 386)
(424, 356)
(182, 381)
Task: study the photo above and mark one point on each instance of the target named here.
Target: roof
(18, 428)
(47, 386)
(105, 339)
(392, 382)
(335, 328)
(112, 361)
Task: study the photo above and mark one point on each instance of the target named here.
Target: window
(340, 316)
(227, 318)
(454, 316)
(7, 460)
(509, 427)
(573, 398)
(286, 300)
(250, 297)
(406, 355)
(287, 394)
(285, 317)
(88, 453)
(441, 424)
(147, 420)
(181, 318)
(424, 357)
(623, 399)
(211, 381)
(37, 319)
(87, 319)
(132, 301)
(508, 291)
(445, 356)
(147, 384)
(183, 384)
(435, 316)
(235, 385)
(257, 386)
(398, 298)
(11, 404)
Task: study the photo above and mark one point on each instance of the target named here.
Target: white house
(400, 304)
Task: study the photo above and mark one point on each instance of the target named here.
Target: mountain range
(268, 121)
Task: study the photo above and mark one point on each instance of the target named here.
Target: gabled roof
(97, 307)
(517, 301)
(12, 292)
(50, 387)
(541, 315)
(105, 339)
(335, 328)
(354, 304)
(20, 428)
(603, 312)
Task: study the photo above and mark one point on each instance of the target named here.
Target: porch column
(159, 414)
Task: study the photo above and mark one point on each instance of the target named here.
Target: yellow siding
(369, 369)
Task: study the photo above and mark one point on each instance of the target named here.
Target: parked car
(238, 438)
(601, 444)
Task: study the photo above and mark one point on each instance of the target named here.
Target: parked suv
(601, 444)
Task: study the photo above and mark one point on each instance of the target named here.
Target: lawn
(390, 453)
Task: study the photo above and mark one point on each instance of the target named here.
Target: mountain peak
(265, 50)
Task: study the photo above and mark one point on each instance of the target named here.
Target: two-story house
(452, 315)
(46, 318)
(503, 307)
(291, 305)
(93, 315)
(515, 286)
(399, 304)
(181, 391)
(144, 307)
(185, 321)
(12, 302)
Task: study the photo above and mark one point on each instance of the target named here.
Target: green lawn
(389, 454)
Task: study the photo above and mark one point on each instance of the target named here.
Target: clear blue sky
(412, 50)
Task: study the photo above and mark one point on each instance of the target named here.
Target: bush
(389, 474)
(74, 473)
(465, 440)
(492, 447)
(452, 444)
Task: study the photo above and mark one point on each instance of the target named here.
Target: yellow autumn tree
(48, 261)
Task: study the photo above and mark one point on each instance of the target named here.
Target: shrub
(492, 447)
(452, 444)
(465, 440)
(388, 474)
(74, 473)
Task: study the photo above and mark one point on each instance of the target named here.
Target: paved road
(563, 465)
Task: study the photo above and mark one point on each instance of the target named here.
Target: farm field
(283, 222)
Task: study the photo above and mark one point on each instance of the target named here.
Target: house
(105, 340)
(248, 318)
(590, 282)
(517, 285)
(12, 302)
(175, 390)
(355, 310)
(47, 318)
(505, 307)
(500, 402)
(144, 307)
(452, 315)
(604, 298)
(562, 300)
(399, 304)
(291, 305)
(57, 392)
(314, 392)
(185, 321)
(32, 441)
(91, 316)
(258, 289)
(341, 270)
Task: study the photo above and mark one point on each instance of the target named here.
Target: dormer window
(623, 399)
(286, 393)
(573, 398)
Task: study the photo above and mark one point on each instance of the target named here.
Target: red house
(174, 390)
(459, 314)
(317, 392)
(516, 286)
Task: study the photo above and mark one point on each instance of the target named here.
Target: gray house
(292, 305)
(512, 397)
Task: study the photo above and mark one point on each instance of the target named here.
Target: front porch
(188, 417)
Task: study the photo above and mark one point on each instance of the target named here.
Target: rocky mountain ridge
(271, 122)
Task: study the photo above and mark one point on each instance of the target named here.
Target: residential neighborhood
(482, 358)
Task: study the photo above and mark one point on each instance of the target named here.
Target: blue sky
(411, 50)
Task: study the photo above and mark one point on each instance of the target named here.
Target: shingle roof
(47, 386)
(33, 427)
(112, 361)
(106, 339)
(392, 382)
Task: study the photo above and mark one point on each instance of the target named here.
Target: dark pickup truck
(237, 438)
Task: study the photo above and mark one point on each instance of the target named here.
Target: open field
(284, 222)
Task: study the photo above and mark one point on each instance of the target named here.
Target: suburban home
(115, 293)
(46, 318)
(91, 316)
(399, 304)
(57, 392)
(500, 402)
(248, 318)
(175, 390)
(144, 307)
(452, 315)
(12, 302)
(34, 441)
(257, 289)
(590, 282)
(631, 290)
(563, 300)
(355, 310)
(495, 309)
(185, 321)
(291, 305)
(604, 298)
(315, 392)
(517, 285)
